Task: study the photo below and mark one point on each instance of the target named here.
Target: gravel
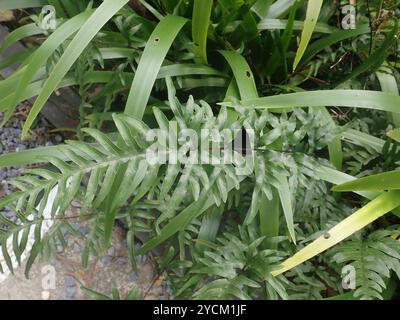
(111, 251)
(10, 141)
(114, 265)
(70, 293)
(60, 248)
(106, 260)
(77, 248)
(70, 282)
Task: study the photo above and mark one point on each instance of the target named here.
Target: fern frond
(373, 259)
(29, 238)
(238, 267)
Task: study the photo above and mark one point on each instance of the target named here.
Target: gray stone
(70, 281)
(106, 259)
(77, 248)
(60, 248)
(111, 251)
(133, 277)
(122, 260)
(70, 293)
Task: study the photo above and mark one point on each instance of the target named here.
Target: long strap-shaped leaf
(41, 55)
(313, 10)
(279, 7)
(20, 33)
(247, 88)
(394, 134)
(153, 56)
(358, 220)
(326, 42)
(345, 98)
(335, 146)
(88, 31)
(272, 24)
(21, 4)
(347, 227)
(33, 89)
(383, 181)
(376, 59)
(388, 83)
(200, 24)
(149, 66)
(243, 76)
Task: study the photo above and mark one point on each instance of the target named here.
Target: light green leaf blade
(150, 63)
(335, 146)
(243, 75)
(20, 33)
(376, 59)
(88, 31)
(358, 220)
(313, 10)
(273, 24)
(394, 134)
(344, 98)
(333, 38)
(388, 83)
(379, 182)
(200, 24)
(286, 201)
(269, 217)
(40, 56)
(21, 4)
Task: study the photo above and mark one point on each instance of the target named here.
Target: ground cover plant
(312, 213)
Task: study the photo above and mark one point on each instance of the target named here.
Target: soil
(68, 275)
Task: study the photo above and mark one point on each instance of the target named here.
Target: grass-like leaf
(200, 25)
(313, 10)
(88, 31)
(358, 220)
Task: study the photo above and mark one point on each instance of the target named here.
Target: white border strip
(46, 225)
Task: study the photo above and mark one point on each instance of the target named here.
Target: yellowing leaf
(383, 204)
(394, 134)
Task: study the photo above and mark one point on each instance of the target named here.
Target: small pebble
(106, 259)
(84, 230)
(53, 261)
(122, 260)
(60, 248)
(141, 259)
(70, 281)
(77, 248)
(111, 251)
(70, 293)
(76, 204)
(10, 141)
(58, 138)
(133, 277)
